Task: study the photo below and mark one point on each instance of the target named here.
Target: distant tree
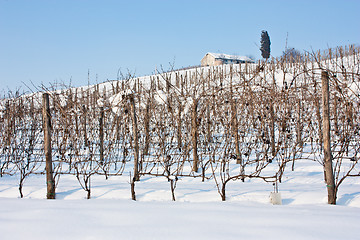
(265, 44)
(291, 55)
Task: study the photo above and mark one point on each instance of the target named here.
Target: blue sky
(43, 41)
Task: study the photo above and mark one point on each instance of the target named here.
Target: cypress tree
(265, 44)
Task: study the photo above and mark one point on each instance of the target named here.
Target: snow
(198, 212)
(121, 219)
(160, 97)
(106, 219)
(117, 99)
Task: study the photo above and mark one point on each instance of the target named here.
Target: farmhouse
(213, 59)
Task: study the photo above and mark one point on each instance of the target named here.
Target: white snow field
(198, 212)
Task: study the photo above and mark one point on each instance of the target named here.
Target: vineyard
(219, 124)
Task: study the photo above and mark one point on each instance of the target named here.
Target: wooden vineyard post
(272, 129)
(84, 124)
(328, 168)
(234, 121)
(136, 139)
(132, 184)
(194, 135)
(179, 136)
(47, 147)
(336, 128)
(147, 127)
(9, 125)
(101, 135)
(298, 125)
(272, 118)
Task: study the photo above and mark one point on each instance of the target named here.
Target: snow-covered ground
(123, 219)
(198, 212)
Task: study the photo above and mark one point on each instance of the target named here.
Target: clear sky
(43, 41)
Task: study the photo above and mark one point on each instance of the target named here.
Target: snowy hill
(234, 133)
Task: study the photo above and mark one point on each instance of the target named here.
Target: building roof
(230, 57)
